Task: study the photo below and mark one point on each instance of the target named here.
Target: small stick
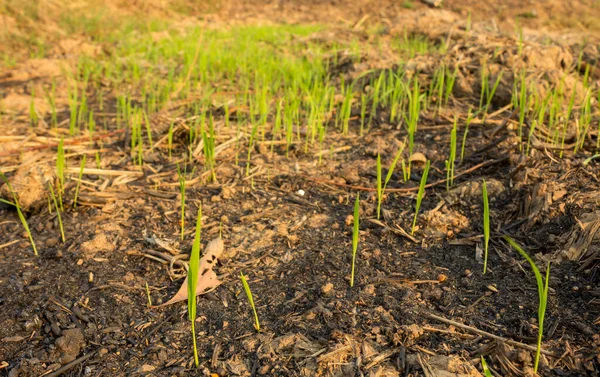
(408, 189)
(486, 334)
(71, 365)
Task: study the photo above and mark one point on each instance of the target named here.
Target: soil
(81, 307)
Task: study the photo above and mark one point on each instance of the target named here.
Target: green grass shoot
(19, 212)
(250, 300)
(486, 225)
(193, 281)
(542, 293)
(60, 223)
(81, 167)
(381, 187)
(450, 162)
(355, 234)
(182, 175)
(60, 170)
(486, 370)
(420, 195)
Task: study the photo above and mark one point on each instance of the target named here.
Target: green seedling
(81, 167)
(486, 225)
(464, 139)
(193, 281)
(355, 234)
(19, 212)
(542, 293)
(381, 187)
(182, 175)
(414, 99)
(250, 300)
(250, 146)
(486, 370)
(60, 171)
(420, 194)
(209, 147)
(60, 223)
(33, 117)
(170, 138)
(450, 162)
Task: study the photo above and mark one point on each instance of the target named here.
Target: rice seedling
(60, 170)
(451, 157)
(355, 234)
(486, 225)
(412, 120)
(487, 92)
(363, 110)
(73, 105)
(522, 106)
(420, 194)
(250, 300)
(486, 370)
(208, 139)
(60, 223)
(464, 139)
(182, 177)
(19, 212)
(33, 117)
(542, 286)
(381, 187)
(170, 138)
(79, 180)
(193, 281)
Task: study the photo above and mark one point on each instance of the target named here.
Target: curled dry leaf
(207, 278)
(418, 157)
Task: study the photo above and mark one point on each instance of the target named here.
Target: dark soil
(83, 305)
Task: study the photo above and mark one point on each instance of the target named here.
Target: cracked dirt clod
(69, 345)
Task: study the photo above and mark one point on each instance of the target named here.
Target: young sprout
(79, 181)
(182, 177)
(250, 300)
(380, 187)
(542, 293)
(451, 157)
(413, 118)
(355, 236)
(420, 196)
(19, 212)
(60, 224)
(486, 370)
(193, 281)
(486, 225)
(60, 170)
(464, 140)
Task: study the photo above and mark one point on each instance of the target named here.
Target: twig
(408, 189)
(71, 365)
(486, 334)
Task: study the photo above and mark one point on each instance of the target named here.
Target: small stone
(327, 288)
(52, 242)
(369, 289)
(349, 220)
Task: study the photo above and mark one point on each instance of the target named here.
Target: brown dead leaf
(207, 278)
